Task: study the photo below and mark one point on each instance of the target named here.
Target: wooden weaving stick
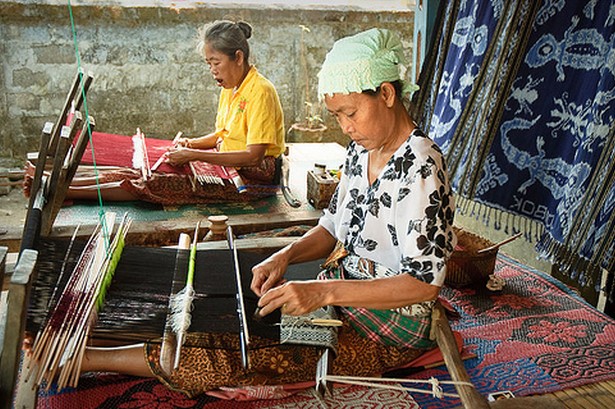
(78, 150)
(168, 348)
(244, 336)
(74, 100)
(181, 303)
(161, 158)
(146, 171)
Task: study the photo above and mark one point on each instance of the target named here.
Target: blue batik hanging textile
(520, 95)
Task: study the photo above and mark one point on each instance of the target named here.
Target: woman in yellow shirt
(248, 135)
(249, 123)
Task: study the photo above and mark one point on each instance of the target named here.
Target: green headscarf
(362, 62)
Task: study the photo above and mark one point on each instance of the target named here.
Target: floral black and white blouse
(404, 219)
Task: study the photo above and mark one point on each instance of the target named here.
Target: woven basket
(467, 268)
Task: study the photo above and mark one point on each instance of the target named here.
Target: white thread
(435, 391)
(290, 332)
(137, 152)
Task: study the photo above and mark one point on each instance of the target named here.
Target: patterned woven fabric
(533, 337)
(519, 94)
(387, 327)
(300, 330)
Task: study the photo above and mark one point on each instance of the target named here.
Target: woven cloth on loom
(519, 94)
(119, 150)
(136, 303)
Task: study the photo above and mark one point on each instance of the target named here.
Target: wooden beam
(3, 254)
(265, 245)
(441, 331)
(17, 304)
(165, 232)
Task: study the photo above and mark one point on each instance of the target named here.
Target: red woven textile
(118, 150)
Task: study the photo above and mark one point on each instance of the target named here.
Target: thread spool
(217, 228)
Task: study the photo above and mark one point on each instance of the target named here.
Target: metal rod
(244, 336)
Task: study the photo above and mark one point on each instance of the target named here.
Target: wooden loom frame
(46, 197)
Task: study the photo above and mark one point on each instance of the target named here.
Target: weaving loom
(136, 303)
(138, 152)
(136, 308)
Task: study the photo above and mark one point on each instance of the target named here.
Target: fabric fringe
(585, 272)
(500, 220)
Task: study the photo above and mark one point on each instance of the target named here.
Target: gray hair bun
(246, 28)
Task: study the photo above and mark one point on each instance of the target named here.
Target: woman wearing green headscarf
(391, 220)
(392, 212)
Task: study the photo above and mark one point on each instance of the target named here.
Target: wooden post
(40, 162)
(441, 331)
(80, 145)
(425, 12)
(16, 311)
(86, 81)
(3, 252)
(53, 192)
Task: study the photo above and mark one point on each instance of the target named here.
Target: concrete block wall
(147, 73)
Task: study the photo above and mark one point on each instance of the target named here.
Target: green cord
(191, 265)
(101, 212)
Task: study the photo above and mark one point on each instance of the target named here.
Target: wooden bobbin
(217, 228)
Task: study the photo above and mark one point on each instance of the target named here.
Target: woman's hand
(183, 143)
(268, 273)
(299, 297)
(294, 297)
(177, 155)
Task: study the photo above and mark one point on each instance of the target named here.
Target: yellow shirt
(251, 115)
